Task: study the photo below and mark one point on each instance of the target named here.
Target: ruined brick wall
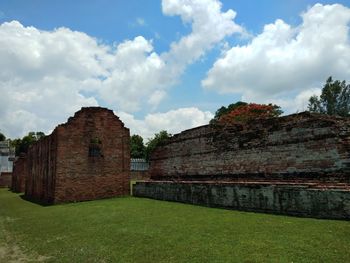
(98, 132)
(5, 179)
(86, 158)
(19, 174)
(41, 175)
(299, 145)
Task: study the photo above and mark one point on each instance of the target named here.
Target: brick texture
(5, 179)
(296, 146)
(19, 174)
(86, 158)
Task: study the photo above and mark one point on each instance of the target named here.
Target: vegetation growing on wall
(246, 112)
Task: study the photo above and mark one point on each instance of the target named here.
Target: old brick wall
(299, 145)
(86, 158)
(5, 179)
(20, 171)
(41, 174)
(82, 177)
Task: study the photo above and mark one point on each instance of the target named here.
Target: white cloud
(173, 121)
(209, 26)
(302, 99)
(285, 60)
(47, 75)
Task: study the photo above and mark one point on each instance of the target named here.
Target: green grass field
(141, 230)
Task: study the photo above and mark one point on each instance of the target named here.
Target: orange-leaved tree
(251, 111)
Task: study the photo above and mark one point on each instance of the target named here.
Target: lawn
(132, 229)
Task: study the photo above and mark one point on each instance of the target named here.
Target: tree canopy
(137, 147)
(22, 145)
(242, 112)
(2, 137)
(334, 99)
(224, 110)
(158, 139)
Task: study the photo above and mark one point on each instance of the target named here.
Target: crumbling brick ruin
(297, 164)
(5, 179)
(86, 158)
(19, 174)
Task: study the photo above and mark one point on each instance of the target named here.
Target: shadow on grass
(33, 201)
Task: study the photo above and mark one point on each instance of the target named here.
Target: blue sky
(183, 90)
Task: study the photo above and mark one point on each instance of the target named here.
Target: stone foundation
(308, 199)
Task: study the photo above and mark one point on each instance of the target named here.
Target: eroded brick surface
(86, 158)
(297, 146)
(295, 165)
(5, 179)
(19, 174)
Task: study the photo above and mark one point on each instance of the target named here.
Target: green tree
(137, 147)
(334, 99)
(22, 145)
(2, 137)
(158, 139)
(224, 110)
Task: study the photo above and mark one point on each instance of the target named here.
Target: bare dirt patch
(10, 250)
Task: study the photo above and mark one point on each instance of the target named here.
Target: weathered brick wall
(66, 167)
(299, 145)
(82, 177)
(19, 174)
(5, 179)
(41, 163)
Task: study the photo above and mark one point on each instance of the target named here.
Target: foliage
(158, 139)
(334, 100)
(2, 137)
(137, 147)
(22, 145)
(251, 111)
(224, 110)
(143, 230)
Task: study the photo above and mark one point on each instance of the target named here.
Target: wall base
(296, 200)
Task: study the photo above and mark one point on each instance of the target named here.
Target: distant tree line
(139, 149)
(21, 145)
(2, 137)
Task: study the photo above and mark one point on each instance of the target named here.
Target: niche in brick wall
(95, 148)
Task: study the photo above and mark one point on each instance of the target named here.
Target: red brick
(61, 170)
(299, 145)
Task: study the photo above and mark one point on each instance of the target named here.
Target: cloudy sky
(164, 64)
